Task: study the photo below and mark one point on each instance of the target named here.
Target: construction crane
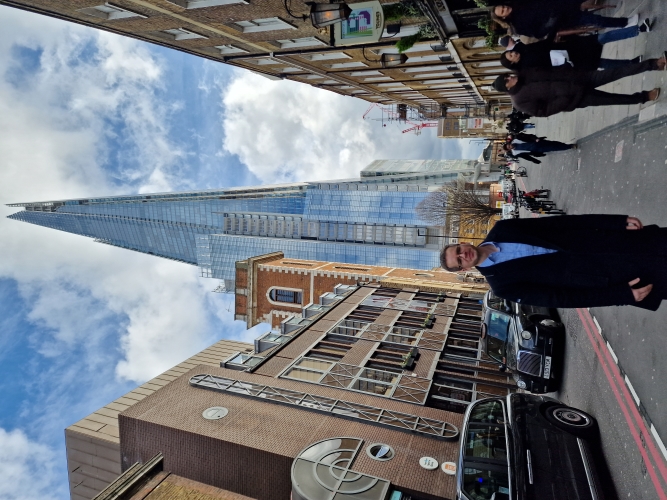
(417, 128)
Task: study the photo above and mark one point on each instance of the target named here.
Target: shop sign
(365, 24)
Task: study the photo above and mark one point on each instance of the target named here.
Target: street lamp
(392, 60)
(325, 14)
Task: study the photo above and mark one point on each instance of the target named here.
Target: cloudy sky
(85, 113)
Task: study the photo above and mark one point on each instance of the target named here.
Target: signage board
(449, 468)
(365, 24)
(428, 463)
(475, 123)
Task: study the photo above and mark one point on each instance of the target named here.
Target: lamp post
(387, 60)
(393, 60)
(325, 14)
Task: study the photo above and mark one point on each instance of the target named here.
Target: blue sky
(85, 113)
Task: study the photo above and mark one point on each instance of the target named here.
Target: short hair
(443, 260)
(506, 62)
(499, 83)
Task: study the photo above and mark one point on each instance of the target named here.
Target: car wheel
(576, 422)
(546, 322)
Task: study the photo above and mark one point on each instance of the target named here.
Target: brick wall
(250, 451)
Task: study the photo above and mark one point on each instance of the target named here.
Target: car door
(550, 458)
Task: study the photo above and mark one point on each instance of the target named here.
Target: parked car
(528, 340)
(526, 447)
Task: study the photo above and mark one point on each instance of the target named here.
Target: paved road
(620, 171)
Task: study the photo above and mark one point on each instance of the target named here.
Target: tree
(453, 200)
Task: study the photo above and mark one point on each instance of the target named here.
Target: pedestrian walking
(542, 19)
(580, 52)
(570, 261)
(538, 146)
(545, 92)
(516, 125)
(531, 157)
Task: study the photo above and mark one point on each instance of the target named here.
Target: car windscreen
(496, 335)
(497, 303)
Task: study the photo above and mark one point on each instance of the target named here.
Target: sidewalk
(573, 126)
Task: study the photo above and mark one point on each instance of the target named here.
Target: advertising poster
(365, 24)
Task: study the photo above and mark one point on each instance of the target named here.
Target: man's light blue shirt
(510, 251)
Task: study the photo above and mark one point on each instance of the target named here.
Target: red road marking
(657, 456)
(614, 378)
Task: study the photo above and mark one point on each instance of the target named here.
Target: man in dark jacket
(570, 261)
(545, 92)
(531, 157)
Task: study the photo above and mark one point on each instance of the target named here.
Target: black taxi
(528, 340)
(526, 447)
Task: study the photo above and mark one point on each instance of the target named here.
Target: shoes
(646, 25)
(633, 21)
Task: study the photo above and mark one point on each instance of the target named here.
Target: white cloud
(27, 469)
(93, 96)
(286, 131)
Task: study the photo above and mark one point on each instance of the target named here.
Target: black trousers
(595, 97)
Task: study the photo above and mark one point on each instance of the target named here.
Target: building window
(352, 268)
(424, 274)
(325, 56)
(182, 34)
(110, 12)
(291, 43)
(285, 296)
(373, 381)
(198, 4)
(267, 24)
(353, 64)
(230, 49)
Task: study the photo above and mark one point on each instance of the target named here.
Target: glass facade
(369, 221)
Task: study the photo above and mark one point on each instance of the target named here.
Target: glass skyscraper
(370, 220)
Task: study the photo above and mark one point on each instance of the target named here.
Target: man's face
(502, 11)
(464, 256)
(513, 57)
(510, 81)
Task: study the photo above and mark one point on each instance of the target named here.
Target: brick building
(271, 288)
(370, 387)
(93, 443)
(267, 38)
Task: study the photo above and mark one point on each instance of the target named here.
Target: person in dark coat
(546, 92)
(531, 157)
(524, 137)
(538, 146)
(544, 18)
(583, 52)
(515, 125)
(570, 261)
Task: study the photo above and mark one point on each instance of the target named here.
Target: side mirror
(502, 368)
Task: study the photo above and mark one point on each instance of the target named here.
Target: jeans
(588, 19)
(619, 34)
(613, 63)
(598, 78)
(600, 98)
